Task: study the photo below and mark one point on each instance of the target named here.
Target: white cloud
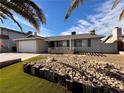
(103, 21)
(84, 22)
(45, 32)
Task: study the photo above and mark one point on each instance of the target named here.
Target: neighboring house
(116, 37)
(75, 43)
(7, 36)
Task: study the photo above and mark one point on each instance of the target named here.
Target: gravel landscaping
(77, 70)
(14, 80)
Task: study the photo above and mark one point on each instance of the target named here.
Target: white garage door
(27, 46)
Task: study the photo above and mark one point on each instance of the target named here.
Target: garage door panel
(27, 46)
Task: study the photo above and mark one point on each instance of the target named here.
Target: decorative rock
(74, 71)
(41, 72)
(77, 87)
(50, 59)
(50, 76)
(61, 79)
(46, 71)
(69, 84)
(87, 89)
(35, 70)
(27, 67)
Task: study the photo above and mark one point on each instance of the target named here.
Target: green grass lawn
(14, 80)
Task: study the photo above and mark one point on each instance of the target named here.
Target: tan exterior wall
(95, 47)
(98, 46)
(42, 46)
(109, 48)
(116, 35)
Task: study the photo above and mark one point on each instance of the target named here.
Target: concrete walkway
(10, 58)
(121, 52)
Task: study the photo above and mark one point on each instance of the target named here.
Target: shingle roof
(31, 38)
(106, 38)
(78, 36)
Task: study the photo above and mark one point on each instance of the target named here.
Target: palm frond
(28, 10)
(116, 3)
(31, 12)
(38, 11)
(1, 20)
(12, 17)
(74, 4)
(121, 15)
(2, 17)
(6, 13)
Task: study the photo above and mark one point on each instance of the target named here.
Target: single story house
(75, 43)
(7, 36)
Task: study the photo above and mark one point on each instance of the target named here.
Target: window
(81, 43)
(89, 42)
(64, 43)
(59, 43)
(78, 43)
(51, 44)
(84, 43)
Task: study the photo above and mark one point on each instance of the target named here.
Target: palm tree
(115, 5)
(26, 8)
(76, 3)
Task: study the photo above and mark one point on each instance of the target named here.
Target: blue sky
(93, 14)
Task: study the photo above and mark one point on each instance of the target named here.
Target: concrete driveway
(12, 56)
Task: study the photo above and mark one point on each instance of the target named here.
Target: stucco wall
(95, 47)
(98, 46)
(116, 35)
(109, 48)
(42, 46)
(104, 47)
